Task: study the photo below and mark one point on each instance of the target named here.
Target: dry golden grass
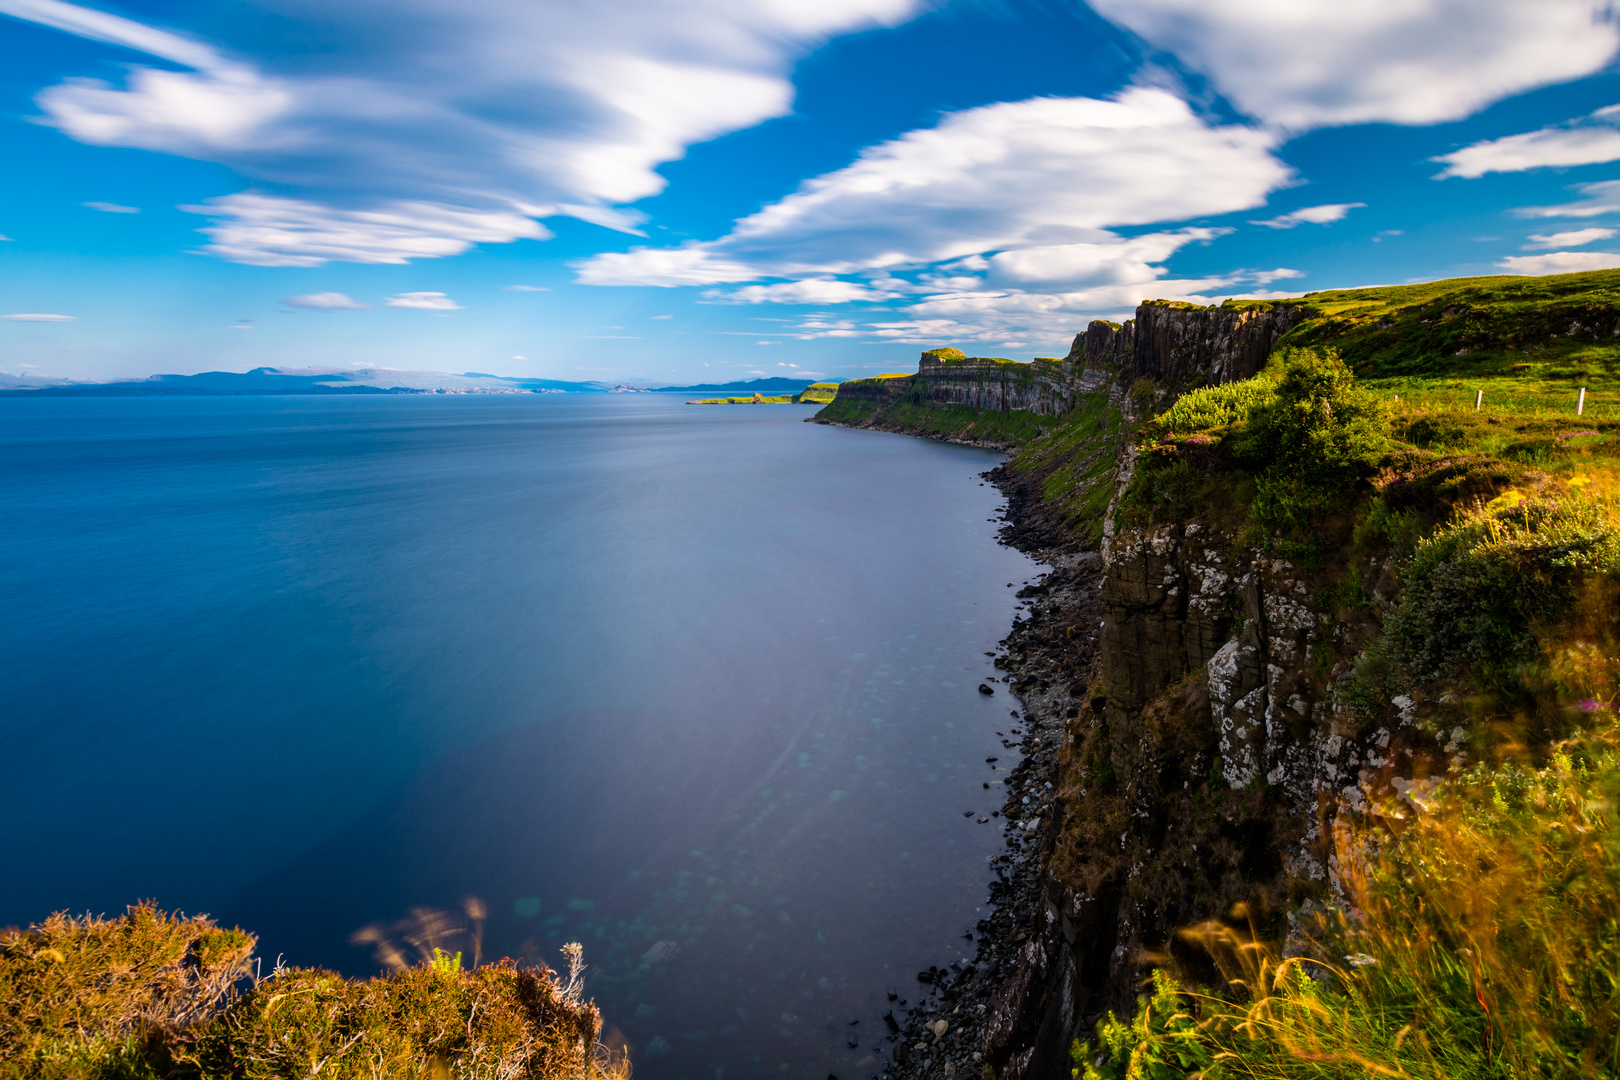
(149, 996)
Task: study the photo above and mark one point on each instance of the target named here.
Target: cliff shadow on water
(1319, 688)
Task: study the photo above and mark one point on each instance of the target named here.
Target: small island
(815, 394)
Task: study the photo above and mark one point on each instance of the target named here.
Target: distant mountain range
(268, 380)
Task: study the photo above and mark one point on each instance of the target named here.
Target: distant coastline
(326, 381)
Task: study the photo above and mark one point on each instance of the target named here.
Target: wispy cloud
(1588, 141)
(424, 301)
(1573, 238)
(1560, 262)
(1325, 214)
(1301, 64)
(39, 318)
(268, 230)
(813, 291)
(1266, 277)
(391, 139)
(113, 208)
(1602, 197)
(324, 301)
(527, 288)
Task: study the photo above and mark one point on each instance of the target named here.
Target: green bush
(1477, 590)
(1212, 407)
(1320, 428)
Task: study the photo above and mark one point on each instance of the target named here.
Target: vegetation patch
(153, 996)
(1074, 463)
(1482, 940)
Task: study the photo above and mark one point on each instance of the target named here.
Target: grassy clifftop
(1462, 569)
(1558, 329)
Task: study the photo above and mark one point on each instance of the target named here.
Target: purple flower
(1591, 705)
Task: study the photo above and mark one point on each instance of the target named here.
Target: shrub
(152, 996)
(84, 995)
(1320, 428)
(1476, 590)
(1213, 407)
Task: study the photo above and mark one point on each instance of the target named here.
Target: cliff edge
(1289, 611)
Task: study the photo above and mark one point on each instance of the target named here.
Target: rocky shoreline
(967, 1019)
(901, 429)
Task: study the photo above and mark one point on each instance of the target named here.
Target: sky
(679, 191)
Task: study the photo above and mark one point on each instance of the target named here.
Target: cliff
(982, 401)
(1248, 664)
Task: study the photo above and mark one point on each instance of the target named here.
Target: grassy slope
(756, 399)
(1074, 464)
(1529, 341)
(949, 422)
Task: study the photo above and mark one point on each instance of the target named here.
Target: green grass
(962, 421)
(756, 399)
(1075, 463)
(820, 393)
(1549, 333)
(1481, 942)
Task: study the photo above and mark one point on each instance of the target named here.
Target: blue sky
(685, 190)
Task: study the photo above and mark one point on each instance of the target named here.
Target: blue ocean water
(695, 686)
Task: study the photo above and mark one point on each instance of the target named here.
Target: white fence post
(1580, 403)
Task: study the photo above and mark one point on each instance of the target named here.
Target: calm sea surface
(693, 686)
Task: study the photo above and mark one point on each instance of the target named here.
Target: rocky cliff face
(1043, 388)
(1173, 702)
(1177, 344)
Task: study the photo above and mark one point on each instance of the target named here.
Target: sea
(693, 686)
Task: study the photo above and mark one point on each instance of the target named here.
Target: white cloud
(1042, 173)
(1588, 141)
(992, 316)
(267, 230)
(812, 291)
(1560, 262)
(7, 239)
(1266, 277)
(527, 288)
(100, 26)
(664, 267)
(1113, 261)
(424, 301)
(1602, 197)
(324, 301)
(415, 129)
(39, 318)
(113, 208)
(1300, 64)
(1311, 215)
(1573, 238)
